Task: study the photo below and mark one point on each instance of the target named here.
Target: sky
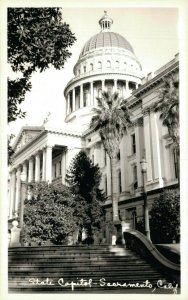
(152, 32)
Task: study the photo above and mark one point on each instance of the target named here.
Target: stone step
(117, 265)
(114, 264)
(72, 254)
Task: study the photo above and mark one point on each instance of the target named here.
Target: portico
(37, 162)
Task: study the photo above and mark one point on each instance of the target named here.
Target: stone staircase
(74, 269)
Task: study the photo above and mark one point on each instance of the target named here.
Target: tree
(112, 120)
(168, 107)
(48, 215)
(83, 178)
(37, 39)
(165, 217)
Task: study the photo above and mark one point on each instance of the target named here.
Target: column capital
(49, 146)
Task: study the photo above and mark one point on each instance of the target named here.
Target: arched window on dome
(84, 69)
(108, 64)
(91, 67)
(117, 64)
(99, 65)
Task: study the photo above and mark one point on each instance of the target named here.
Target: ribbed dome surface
(106, 39)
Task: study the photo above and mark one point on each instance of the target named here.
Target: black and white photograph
(94, 154)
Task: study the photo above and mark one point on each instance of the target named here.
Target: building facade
(43, 153)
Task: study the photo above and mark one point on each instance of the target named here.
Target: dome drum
(83, 96)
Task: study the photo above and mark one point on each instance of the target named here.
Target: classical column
(115, 85)
(37, 167)
(24, 170)
(103, 85)
(124, 163)
(18, 189)
(30, 175)
(81, 96)
(124, 89)
(97, 154)
(139, 149)
(44, 164)
(127, 86)
(73, 99)
(156, 151)
(12, 192)
(91, 93)
(68, 103)
(63, 167)
(49, 163)
(147, 138)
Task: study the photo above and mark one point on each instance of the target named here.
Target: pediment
(26, 135)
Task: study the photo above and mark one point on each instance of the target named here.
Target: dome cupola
(105, 22)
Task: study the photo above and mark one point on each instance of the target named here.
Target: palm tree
(111, 119)
(168, 107)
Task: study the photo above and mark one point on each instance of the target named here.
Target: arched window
(117, 64)
(99, 65)
(91, 67)
(108, 64)
(84, 69)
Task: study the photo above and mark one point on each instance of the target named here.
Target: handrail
(134, 238)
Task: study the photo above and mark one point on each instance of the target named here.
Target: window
(118, 155)
(105, 185)
(175, 157)
(105, 157)
(108, 64)
(85, 98)
(84, 69)
(99, 65)
(59, 168)
(117, 64)
(119, 181)
(135, 180)
(71, 105)
(91, 67)
(133, 143)
(99, 93)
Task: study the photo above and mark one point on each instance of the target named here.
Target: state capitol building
(107, 62)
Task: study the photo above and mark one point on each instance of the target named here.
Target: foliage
(83, 178)
(168, 106)
(37, 39)
(16, 95)
(10, 149)
(112, 119)
(165, 217)
(48, 215)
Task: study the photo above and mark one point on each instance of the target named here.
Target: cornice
(45, 131)
(156, 80)
(100, 74)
